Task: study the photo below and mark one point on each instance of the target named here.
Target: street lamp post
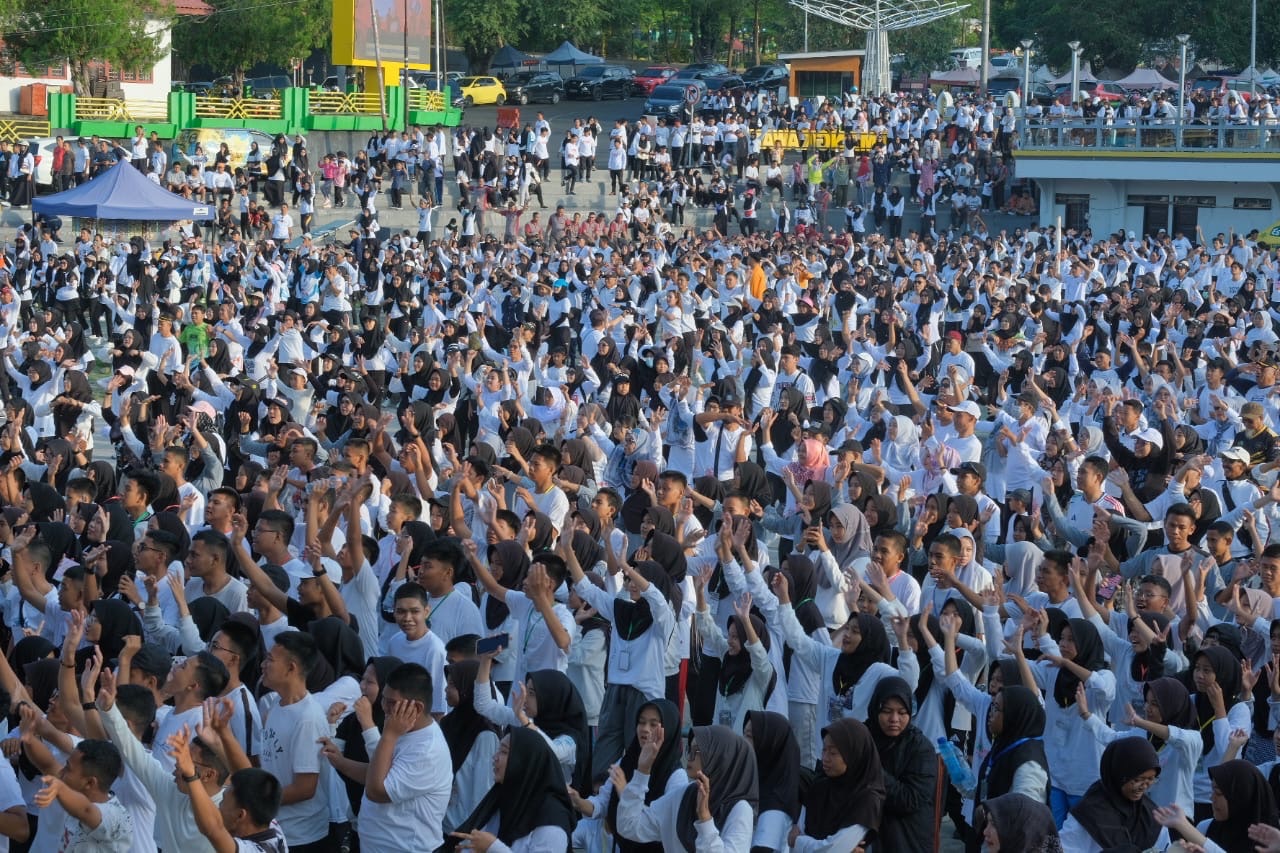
(1182, 81)
(1075, 71)
(1026, 75)
(404, 70)
(1253, 48)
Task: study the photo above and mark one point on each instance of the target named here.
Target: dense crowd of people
(647, 537)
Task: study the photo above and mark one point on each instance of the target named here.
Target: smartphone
(486, 645)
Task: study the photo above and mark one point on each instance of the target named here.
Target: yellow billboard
(404, 29)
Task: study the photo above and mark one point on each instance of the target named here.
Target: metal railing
(426, 100)
(237, 108)
(11, 130)
(1048, 134)
(116, 109)
(344, 103)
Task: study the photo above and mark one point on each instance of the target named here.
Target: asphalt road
(561, 115)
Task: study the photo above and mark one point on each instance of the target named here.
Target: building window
(1075, 210)
(11, 67)
(104, 73)
(1196, 200)
(1252, 203)
(829, 84)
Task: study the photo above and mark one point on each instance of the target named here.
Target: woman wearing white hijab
(900, 456)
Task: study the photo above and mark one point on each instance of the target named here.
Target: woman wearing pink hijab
(811, 464)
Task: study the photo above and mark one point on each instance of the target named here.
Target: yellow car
(470, 91)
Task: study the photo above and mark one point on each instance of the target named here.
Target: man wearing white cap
(964, 422)
(1238, 493)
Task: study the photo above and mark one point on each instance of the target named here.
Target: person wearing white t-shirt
(291, 732)
(400, 800)
(452, 612)
(282, 225)
(415, 642)
(545, 628)
(539, 491)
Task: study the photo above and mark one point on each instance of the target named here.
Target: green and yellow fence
(293, 110)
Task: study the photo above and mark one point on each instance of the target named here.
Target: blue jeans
(1060, 802)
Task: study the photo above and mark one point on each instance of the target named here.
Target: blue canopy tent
(122, 192)
(512, 58)
(567, 54)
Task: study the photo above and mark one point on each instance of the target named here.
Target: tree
(480, 27)
(80, 32)
(234, 39)
(927, 48)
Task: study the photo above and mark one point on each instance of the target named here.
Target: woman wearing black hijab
(528, 801)
(1073, 659)
(657, 728)
(1216, 684)
(720, 798)
(851, 670)
(472, 741)
(341, 656)
(778, 766)
(845, 804)
(119, 524)
(508, 563)
(63, 545)
(910, 767)
(113, 620)
(1241, 799)
(557, 711)
(171, 522)
(1016, 761)
(538, 531)
(350, 736)
(44, 501)
(1116, 811)
(1015, 823)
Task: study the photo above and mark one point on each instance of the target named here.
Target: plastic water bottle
(957, 768)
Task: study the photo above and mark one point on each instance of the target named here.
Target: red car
(652, 77)
(1102, 91)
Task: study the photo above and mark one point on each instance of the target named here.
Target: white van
(966, 57)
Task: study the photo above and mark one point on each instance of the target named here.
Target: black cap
(152, 659)
(278, 576)
(620, 378)
(975, 468)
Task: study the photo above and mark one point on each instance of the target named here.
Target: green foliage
(480, 27)
(234, 39)
(927, 48)
(1120, 36)
(46, 32)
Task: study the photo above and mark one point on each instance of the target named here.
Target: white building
(151, 85)
(1145, 179)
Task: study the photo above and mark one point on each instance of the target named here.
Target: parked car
(1001, 61)
(525, 86)
(716, 82)
(765, 76)
(966, 57)
(598, 82)
(652, 77)
(1226, 84)
(708, 67)
(42, 151)
(998, 87)
(1103, 91)
(479, 90)
(669, 99)
(269, 86)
